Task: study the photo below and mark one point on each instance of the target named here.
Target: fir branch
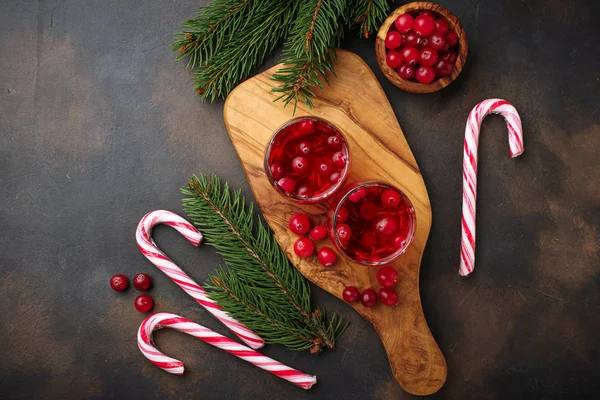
(369, 14)
(259, 288)
(310, 50)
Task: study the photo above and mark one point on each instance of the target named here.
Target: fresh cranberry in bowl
(307, 160)
(379, 227)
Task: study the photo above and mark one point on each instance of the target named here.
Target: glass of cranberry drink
(371, 223)
(307, 160)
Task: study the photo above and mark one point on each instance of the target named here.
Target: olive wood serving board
(357, 105)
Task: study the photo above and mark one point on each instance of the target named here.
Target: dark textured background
(99, 125)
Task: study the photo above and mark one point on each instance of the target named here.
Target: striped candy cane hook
(173, 366)
(515, 142)
(162, 262)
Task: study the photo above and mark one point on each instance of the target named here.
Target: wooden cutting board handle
(357, 105)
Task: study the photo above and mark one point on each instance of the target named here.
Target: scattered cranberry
(143, 303)
(425, 74)
(424, 25)
(393, 59)
(306, 126)
(404, 23)
(441, 26)
(342, 215)
(326, 256)
(393, 40)
(428, 57)
(387, 226)
(411, 40)
(406, 72)
(301, 165)
(437, 41)
(305, 192)
(350, 294)
(304, 247)
(304, 148)
(344, 233)
(387, 276)
(287, 184)
(299, 223)
(142, 282)
(319, 232)
(119, 282)
(443, 68)
(368, 298)
(388, 296)
(451, 38)
(410, 55)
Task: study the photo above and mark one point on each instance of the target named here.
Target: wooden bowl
(392, 74)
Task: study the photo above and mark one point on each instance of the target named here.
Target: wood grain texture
(357, 105)
(392, 74)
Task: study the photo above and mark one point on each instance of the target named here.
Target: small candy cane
(162, 262)
(515, 141)
(173, 366)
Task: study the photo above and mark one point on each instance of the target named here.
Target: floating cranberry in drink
(307, 160)
(380, 223)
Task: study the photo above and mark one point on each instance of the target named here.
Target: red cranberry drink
(371, 223)
(307, 160)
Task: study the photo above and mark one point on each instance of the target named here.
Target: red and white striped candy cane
(162, 262)
(515, 141)
(173, 366)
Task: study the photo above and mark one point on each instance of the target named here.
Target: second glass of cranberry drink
(371, 223)
(307, 160)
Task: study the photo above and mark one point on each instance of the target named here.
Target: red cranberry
(344, 233)
(350, 294)
(451, 38)
(369, 240)
(304, 148)
(335, 177)
(362, 193)
(142, 282)
(441, 26)
(119, 282)
(399, 241)
(287, 184)
(437, 41)
(326, 256)
(318, 232)
(325, 167)
(404, 23)
(334, 141)
(301, 165)
(277, 171)
(450, 56)
(393, 59)
(393, 40)
(342, 215)
(425, 74)
(388, 296)
(443, 68)
(306, 126)
(428, 12)
(339, 158)
(368, 298)
(411, 40)
(423, 42)
(143, 303)
(387, 226)
(387, 276)
(304, 247)
(390, 198)
(410, 55)
(305, 192)
(427, 57)
(368, 211)
(406, 72)
(423, 25)
(299, 224)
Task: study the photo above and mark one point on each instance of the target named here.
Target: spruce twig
(259, 287)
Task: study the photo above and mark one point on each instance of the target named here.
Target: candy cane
(173, 366)
(515, 141)
(162, 262)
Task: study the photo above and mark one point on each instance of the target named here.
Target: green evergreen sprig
(259, 287)
(228, 39)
